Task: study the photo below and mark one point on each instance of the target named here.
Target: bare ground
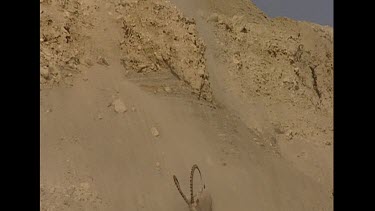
(208, 82)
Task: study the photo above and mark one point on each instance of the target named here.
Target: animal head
(200, 201)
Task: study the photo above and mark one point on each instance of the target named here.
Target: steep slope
(206, 76)
(276, 74)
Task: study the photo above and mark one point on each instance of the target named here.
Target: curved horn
(179, 189)
(195, 166)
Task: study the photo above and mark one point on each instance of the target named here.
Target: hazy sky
(317, 11)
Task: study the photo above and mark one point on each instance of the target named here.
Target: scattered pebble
(214, 17)
(88, 62)
(44, 73)
(167, 89)
(328, 143)
(53, 70)
(290, 134)
(157, 164)
(134, 109)
(119, 106)
(100, 116)
(190, 29)
(154, 132)
(236, 61)
(141, 68)
(85, 185)
(102, 61)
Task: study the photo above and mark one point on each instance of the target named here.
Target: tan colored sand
(214, 83)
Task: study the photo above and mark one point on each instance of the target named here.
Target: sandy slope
(93, 158)
(257, 70)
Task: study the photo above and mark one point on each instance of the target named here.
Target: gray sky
(317, 11)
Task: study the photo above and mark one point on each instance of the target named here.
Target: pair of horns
(195, 166)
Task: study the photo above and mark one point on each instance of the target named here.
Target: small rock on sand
(214, 17)
(119, 106)
(154, 132)
(89, 62)
(102, 61)
(44, 73)
(167, 89)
